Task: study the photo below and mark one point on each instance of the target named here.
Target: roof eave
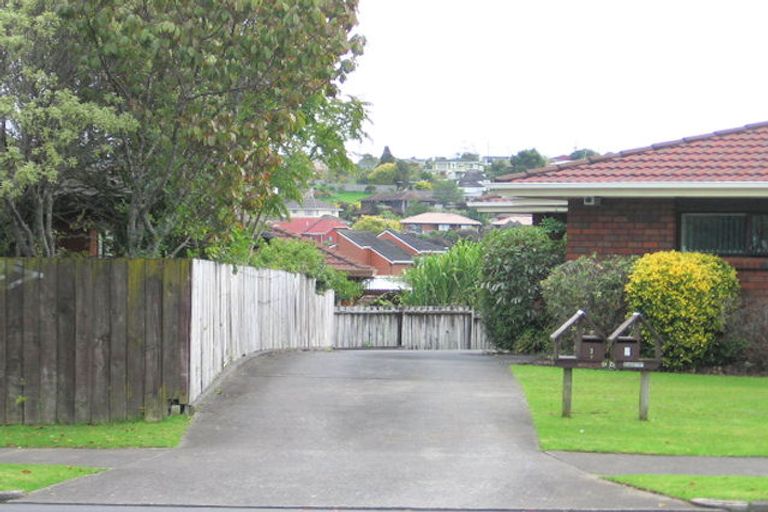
(556, 190)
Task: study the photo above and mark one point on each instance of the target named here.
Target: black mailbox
(625, 348)
(591, 349)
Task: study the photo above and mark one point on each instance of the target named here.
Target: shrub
(745, 343)
(452, 278)
(376, 224)
(687, 297)
(515, 262)
(593, 284)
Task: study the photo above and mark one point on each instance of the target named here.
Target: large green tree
(527, 159)
(231, 101)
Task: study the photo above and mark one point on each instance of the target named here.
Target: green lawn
(30, 477)
(689, 414)
(346, 197)
(129, 434)
(687, 487)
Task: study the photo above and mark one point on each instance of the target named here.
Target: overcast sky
(496, 76)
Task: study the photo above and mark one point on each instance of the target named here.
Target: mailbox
(591, 349)
(625, 348)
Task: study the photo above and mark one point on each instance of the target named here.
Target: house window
(444, 227)
(738, 234)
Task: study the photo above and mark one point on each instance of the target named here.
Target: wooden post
(645, 394)
(567, 391)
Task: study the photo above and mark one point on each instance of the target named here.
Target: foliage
(593, 284)
(745, 342)
(125, 434)
(404, 171)
(46, 130)
(533, 341)
(383, 174)
(367, 162)
(708, 415)
(446, 192)
(581, 154)
(515, 262)
(499, 168)
(452, 278)
(386, 156)
(304, 258)
(230, 102)
(416, 209)
(422, 185)
(555, 228)
(688, 487)
(687, 297)
(376, 224)
(527, 159)
(31, 477)
(469, 157)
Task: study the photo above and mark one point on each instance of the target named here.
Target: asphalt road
(357, 430)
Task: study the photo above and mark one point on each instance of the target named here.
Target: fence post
(567, 391)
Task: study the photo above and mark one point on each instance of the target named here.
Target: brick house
(412, 244)
(321, 230)
(366, 248)
(707, 193)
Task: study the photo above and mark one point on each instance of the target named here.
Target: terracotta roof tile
(735, 155)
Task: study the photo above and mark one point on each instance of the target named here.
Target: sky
(493, 77)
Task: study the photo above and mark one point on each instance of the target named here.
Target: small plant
(593, 284)
(687, 297)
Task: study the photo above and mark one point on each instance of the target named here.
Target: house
(366, 248)
(707, 193)
(311, 207)
(353, 269)
(454, 169)
(412, 244)
(538, 208)
(472, 184)
(520, 219)
(321, 230)
(398, 202)
(438, 221)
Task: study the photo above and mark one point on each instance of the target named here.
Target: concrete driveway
(356, 429)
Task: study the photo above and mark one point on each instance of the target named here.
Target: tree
(581, 154)
(376, 224)
(383, 174)
(233, 101)
(386, 157)
(367, 162)
(469, 157)
(46, 130)
(446, 192)
(499, 168)
(527, 159)
(403, 173)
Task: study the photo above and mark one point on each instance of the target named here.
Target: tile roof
(385, 248)
(418, 243)
(312, 225)
(735, 155)
(440, 218)
(333, 259)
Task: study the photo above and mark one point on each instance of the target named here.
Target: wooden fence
(95, 340)
(235, 314)
(433, 328)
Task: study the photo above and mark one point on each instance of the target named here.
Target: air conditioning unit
(591, 201)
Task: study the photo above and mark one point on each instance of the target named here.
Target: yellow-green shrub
(686, 297)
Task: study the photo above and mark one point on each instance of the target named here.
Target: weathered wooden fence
(235, 314)
(412, 328)
(94, 340)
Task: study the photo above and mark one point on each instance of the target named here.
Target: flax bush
(452, 278)
(687, 297)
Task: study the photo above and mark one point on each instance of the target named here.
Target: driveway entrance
(396, 429)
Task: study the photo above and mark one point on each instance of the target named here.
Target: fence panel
(421, 328)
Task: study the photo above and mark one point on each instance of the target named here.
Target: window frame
(749, 249)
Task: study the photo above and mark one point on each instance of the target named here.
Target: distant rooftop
(440, 218)
(388, 250)
(418, 243)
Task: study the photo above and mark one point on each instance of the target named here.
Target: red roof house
(366, 248)
(707, 193)
(321, 230)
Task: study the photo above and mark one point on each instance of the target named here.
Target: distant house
(472, 184)
(398, 202)
(321, 230)
(455, 169)
(433, 221)
(412, 244)
(520, 219)
(311, 207)
(366, 248)
(537, 208)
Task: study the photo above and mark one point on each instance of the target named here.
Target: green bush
(515, 262)
(745, 344)
(452, 278)
(687, 297)
(593, 284)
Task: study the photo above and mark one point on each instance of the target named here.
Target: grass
(129, 434)
(30, 477)
(689, 414)
(346, 197)
(687, 487)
